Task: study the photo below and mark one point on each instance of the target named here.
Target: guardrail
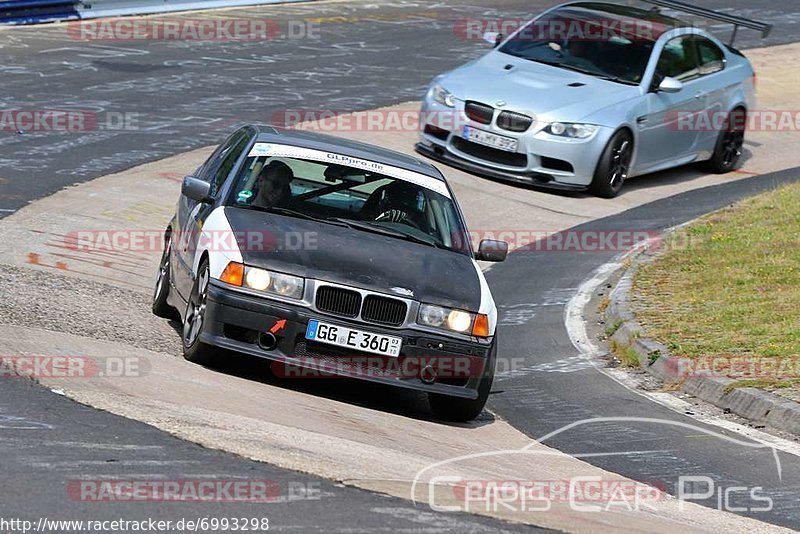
(33, 11)
(36, 11)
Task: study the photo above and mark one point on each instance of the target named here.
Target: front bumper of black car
(427, 362)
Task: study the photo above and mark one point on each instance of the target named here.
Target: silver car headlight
(443, 96)
(281, 284)
(573, 130)
(453, 320)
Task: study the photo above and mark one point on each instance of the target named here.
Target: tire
(460, 410)
(160, 306)
(614, 165)
(728, 150)
(195, 350)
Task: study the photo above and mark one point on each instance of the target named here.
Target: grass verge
(760, 383)
(626, 355)
(729, 286)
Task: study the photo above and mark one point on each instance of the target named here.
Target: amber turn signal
(233, 274)
(481, 326)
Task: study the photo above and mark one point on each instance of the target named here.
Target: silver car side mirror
(670, 85)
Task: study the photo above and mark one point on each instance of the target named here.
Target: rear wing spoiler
(738, 22)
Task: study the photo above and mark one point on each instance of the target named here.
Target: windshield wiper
(378, 229)
(582, 70)
(294, 213)
(597, 74)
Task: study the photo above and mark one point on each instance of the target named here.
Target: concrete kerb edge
(753, 404)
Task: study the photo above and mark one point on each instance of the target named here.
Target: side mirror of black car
(493, 38)
(491, 250)
(196, 189)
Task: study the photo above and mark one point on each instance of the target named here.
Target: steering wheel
(388, 216)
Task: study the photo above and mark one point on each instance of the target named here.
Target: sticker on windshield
(244, 196)
(261, 149)
(288, 151)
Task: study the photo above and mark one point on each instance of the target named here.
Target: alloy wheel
(620, 162)
(195, 312)
(163, 269)
(732, 143)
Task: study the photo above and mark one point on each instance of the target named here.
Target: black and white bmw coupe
(330, 256)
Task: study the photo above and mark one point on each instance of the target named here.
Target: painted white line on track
(576, 329)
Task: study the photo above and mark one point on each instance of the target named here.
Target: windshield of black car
(587, 43)
(337, 194)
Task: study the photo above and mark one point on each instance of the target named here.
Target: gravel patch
(39, 299)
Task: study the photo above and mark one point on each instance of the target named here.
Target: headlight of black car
(284, 285)
(453, 320)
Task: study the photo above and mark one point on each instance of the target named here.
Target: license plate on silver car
(482, 137)
(350, 338)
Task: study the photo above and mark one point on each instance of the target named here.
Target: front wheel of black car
(728, 149)
(460, 410)
(614, 165)
(161, 291)
(195, 350)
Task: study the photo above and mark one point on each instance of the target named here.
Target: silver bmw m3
(590, 94)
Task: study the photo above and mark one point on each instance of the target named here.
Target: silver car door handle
(699, 95)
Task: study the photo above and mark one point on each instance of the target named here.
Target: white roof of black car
(338, 145)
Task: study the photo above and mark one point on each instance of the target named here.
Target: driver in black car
(272, 185)
(399, 203)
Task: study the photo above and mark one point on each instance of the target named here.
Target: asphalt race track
(50, 442)
(188, 95)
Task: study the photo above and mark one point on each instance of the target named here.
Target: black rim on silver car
(163, 269)
(733, 140)
(196, 309)
(620, 162)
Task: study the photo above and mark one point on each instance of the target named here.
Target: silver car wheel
(732, 144)
(620, 161)
(196, 309)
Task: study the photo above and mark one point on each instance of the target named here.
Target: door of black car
(191, 213)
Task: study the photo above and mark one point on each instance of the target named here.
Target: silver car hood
(538, 89)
